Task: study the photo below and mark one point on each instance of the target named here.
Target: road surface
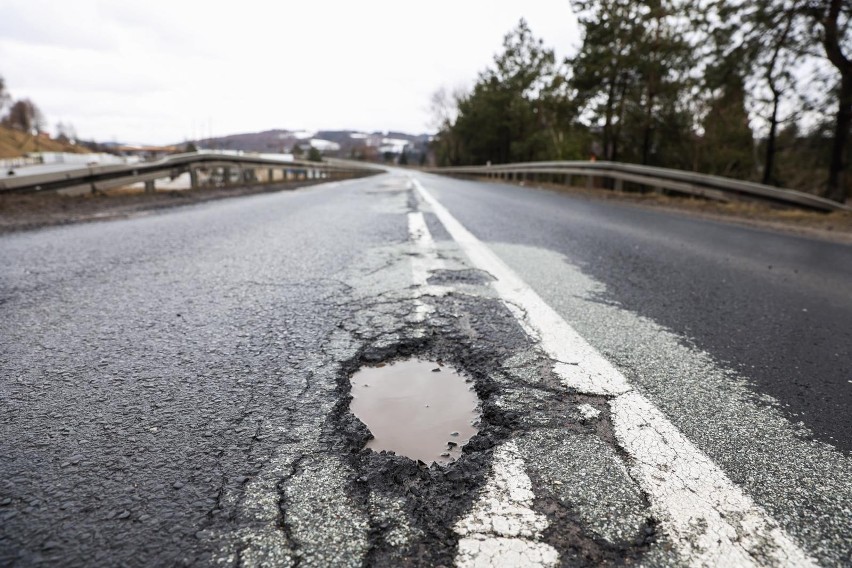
(654, 389)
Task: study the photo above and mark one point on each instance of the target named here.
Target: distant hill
(14, 144)
(375, 146)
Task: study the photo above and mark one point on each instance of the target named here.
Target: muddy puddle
(420, 409)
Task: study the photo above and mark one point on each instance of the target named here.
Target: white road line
(423, 262)
(502, 529)
(709, 518)
(578, 364)
(427, 259)
(689, 491)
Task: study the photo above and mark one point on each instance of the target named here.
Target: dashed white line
(709, 518)
(423, 262)
(427, 259)
(502, 529)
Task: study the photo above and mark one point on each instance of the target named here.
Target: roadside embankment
(20, 212)
(835, 226)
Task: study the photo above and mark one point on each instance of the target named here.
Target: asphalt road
(776, 307)
(655, 390)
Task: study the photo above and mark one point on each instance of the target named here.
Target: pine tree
(728, 142)
(501, 120)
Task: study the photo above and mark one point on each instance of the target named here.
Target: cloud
(65, 24)
(153, 71)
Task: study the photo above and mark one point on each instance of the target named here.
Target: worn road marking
(709, 518)
(423, 262)
(427, 259)
(578, 363)
(502, 529)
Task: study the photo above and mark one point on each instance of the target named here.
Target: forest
(759, 90)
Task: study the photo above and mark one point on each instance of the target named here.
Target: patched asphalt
(176, 387)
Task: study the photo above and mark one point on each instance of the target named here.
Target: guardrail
(99, 178)
(19, 162)
(692, 183)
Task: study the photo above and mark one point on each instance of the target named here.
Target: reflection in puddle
(419, 409)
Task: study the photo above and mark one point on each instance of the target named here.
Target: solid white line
(709, 518)
(686, 487)
(577, 363)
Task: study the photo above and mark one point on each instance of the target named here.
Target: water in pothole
(420, 409)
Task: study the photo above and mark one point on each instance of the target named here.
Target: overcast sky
(159, 71)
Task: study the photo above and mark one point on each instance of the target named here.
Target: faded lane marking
(502, 529)
(427, 258)
(424, 261)
(578, 363)
(710, 519)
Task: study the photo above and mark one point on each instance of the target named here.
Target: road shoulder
(832, 227)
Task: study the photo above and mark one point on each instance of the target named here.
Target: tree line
(758, 90)
(23, 115)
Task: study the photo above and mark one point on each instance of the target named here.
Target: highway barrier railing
(98, 178)
(678, 181)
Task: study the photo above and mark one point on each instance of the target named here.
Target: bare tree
(5, 99)
(65, 132)
(443, 110)
(775, 48)
(833, 19)
(443, 107)
(25, 116)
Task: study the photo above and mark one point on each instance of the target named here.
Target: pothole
(419, 409)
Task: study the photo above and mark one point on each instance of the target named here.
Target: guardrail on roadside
(692, 183)
(99, 178)
(6, 163)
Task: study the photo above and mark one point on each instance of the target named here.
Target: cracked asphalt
(175, 387)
